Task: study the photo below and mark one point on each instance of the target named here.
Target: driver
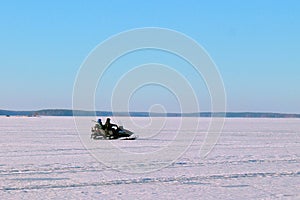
(109, 126)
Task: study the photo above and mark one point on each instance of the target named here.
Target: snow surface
(44, 158)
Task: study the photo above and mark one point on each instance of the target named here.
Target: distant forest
(65, 112)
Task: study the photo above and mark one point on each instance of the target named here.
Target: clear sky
(255, 44)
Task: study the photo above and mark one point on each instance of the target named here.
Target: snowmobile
(118, 133)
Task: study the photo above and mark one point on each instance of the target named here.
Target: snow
(46, 157)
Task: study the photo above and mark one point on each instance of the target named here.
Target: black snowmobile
(116, 133)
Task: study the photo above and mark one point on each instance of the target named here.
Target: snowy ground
(44, 158)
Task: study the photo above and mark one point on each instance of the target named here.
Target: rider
(100, 123)
(109, 126)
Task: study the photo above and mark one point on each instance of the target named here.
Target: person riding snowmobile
(109, 128)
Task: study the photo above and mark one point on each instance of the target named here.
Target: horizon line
(147, 112)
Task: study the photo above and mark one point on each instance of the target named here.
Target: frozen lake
(44, 158)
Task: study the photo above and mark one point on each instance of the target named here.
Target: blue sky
(255, 45)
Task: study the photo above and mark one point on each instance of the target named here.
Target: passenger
(100, 123)
(97, 129)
